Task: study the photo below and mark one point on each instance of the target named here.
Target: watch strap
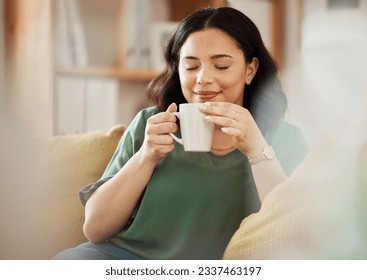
(266, 154)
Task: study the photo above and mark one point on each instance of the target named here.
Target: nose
(204, 76)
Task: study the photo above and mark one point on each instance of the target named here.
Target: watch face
(268, 152)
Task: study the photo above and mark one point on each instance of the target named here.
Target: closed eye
(222, 67)
(191, 68)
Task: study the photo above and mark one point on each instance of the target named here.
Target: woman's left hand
(236, 121)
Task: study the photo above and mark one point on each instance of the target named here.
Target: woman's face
(212, 68)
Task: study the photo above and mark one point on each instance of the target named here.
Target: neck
(222, 142)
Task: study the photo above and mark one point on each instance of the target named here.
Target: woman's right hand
(158, 143)
(112, 204)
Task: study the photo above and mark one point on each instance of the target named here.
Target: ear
(251, 70)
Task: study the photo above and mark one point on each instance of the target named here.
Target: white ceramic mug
(197, 134)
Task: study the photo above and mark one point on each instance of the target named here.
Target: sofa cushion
(279, 230)
(54, 214)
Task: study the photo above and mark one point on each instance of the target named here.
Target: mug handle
(178, 140)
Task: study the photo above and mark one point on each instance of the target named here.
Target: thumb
(172, 108)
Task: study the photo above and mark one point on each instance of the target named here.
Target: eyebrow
(216, 56)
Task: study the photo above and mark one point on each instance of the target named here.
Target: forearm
(267, 174)
(111, 206)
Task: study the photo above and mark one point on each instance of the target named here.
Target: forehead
(210, 41)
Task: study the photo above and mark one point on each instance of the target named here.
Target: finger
(162, 128)
(231, 131)
(161, 150)
(172, 108)
(221, 121)
(224, 109)
(163, 139)
(156, 142)
(164, 149)
(161, 117)
(219, 104)
(164, 116)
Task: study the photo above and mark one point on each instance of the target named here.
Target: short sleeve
(88, 190)
(129, 144)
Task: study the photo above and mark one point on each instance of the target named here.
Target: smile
(207, 95)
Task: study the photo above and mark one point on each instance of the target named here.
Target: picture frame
(159, 35)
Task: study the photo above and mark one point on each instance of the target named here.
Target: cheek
(233, 89)
(231, 83)
(187, 83)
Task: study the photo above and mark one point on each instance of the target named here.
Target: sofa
(310, 215)
(42, 214)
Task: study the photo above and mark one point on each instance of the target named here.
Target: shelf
(125, 75)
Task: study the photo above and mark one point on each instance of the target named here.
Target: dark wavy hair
(264, 97)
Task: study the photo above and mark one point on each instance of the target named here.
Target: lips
(207, 95)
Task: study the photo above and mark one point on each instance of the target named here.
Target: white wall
(323, 76)
(2, 56)
(290, 72)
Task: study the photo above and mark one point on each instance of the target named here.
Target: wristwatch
(266, 154)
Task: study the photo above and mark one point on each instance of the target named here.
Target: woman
(156, 201)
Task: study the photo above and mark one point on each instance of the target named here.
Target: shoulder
(289, 144)
(285, 131)
(134, 133)
(130, 142)
(147, 113)
(150, 111)
(141, 118)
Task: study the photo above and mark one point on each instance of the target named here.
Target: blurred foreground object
(320, 211)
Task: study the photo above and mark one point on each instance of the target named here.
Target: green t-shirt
(194, 202)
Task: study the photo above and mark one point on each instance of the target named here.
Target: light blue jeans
(100, 251)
